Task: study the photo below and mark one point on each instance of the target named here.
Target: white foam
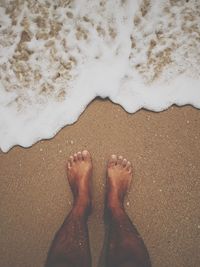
(57, 56)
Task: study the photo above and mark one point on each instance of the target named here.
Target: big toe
(86, 155)
(70, 162)
(112, 161)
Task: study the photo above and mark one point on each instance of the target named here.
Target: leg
(125, 246)
(70, 247)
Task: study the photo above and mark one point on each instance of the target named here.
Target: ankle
(114, 205)
(115, 211)
(114, 201)
(82, 206)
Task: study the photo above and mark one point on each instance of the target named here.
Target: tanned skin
(70, 247)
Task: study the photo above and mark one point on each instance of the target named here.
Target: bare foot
(119, 174)
(79, 171)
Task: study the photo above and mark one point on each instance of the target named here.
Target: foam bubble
(57, 56)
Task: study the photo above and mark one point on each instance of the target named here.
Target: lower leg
(125, 246)
(70, 247)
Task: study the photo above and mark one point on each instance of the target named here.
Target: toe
(75, 157)
(124, 162)
(128, 165)
(70, 161)
(86, 155)
(113, 160)
(130, 170)
(119, 160)
(79, 155)
(69, 165)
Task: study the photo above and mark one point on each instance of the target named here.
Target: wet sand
(164, 197)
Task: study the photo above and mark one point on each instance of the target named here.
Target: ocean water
(57, 56)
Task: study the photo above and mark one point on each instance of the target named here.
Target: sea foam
(57, 56)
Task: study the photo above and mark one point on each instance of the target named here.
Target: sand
(164, 197)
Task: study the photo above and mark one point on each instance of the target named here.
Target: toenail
(124, 162)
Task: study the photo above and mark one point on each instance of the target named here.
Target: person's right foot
(119, 174)
(79, 171)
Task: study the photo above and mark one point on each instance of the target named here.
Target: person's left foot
(79, 171)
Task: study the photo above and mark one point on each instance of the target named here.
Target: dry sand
(164, 197)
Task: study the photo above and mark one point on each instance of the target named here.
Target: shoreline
(163, 200)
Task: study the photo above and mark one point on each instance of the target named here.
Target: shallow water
(57, 56)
